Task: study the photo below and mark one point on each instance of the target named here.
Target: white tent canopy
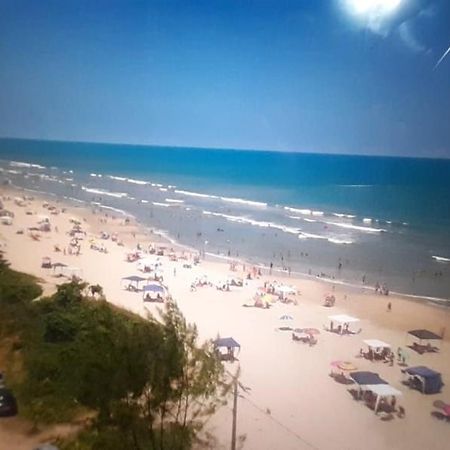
(376, 344)
(343, 318)
(383, 390)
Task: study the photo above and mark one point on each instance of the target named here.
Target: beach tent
(383, 390)
(154, 291)
(370, 381)
(229, 344)
(428, 381)
(284, 290)
(364, 378)
(136, 279)
(342, 320)
(58, 267)
(377, 347)
(424, 336)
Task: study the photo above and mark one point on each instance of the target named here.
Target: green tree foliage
(149, 384)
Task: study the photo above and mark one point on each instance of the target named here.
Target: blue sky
(300, 75)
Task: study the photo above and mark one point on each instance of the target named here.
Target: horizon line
(65, 141)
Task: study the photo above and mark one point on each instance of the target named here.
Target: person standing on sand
(389, 307)
(271, 267)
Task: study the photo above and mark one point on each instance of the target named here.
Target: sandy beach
(292, 402)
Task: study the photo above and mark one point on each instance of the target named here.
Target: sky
(294, 75)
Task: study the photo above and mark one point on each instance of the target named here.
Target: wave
(165, 205)
(140, 182)
(112, 177)
(195, 194)
(244, 202)
(357, 227)
(306, 212)
(117, 210)
(441, 258)
(367, 220)
(103, 192)
(344, 216)
(24, 164)
(96, 175)
(173, 200)
(14, 172)
(163, 189)
(317, 213)
(340, 241)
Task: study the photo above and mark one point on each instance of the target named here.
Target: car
(8, 403)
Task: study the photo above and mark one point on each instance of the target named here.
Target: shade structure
(154, 287)
(375, 343)
(58, 264)
(423, 334)
(431, 381)
(364, 378)
(343, 318)
(283, 289)
(286, 317)
(228, 342)
(134, 278)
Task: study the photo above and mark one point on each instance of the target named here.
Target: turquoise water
(383, 218)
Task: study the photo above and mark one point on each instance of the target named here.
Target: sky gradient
(300, 75)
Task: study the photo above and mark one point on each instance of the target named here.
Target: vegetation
(145, 384)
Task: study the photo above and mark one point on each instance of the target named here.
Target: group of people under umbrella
(153, 291)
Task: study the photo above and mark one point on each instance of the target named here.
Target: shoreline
(439, 302)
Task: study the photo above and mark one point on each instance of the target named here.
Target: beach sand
(292, 402)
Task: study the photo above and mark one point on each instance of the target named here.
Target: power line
(280, 424)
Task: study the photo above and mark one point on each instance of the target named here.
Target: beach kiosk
(225, 348)
(425, 380)
(343, 322)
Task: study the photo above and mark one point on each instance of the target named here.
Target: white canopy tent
(376, 344)
(382, 390)
(343, 321)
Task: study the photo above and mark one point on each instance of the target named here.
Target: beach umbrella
(286, 318)
(269, 298)
(344, 365)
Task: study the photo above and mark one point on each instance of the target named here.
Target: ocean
(344, 218)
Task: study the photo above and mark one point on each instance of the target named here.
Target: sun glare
(371, 7)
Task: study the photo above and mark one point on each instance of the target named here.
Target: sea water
(345, 218)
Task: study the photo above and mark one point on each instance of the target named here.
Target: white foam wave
(195, 194)
(117, 178)
(306, 212)
(367, 220)
(24, 164)
(173, 200)
(117, 210)
(441, 258)
(349, 226)
(103, 192)
(244, 202)
(140, 182)
(165, 205)
(163, 189)
(340, 241)
(144, 201)
(15, 172)
(342, 216)
(317, 213)
(96, 175)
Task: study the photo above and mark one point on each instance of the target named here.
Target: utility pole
(235, 399)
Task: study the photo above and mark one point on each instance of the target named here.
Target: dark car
(8, 403)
